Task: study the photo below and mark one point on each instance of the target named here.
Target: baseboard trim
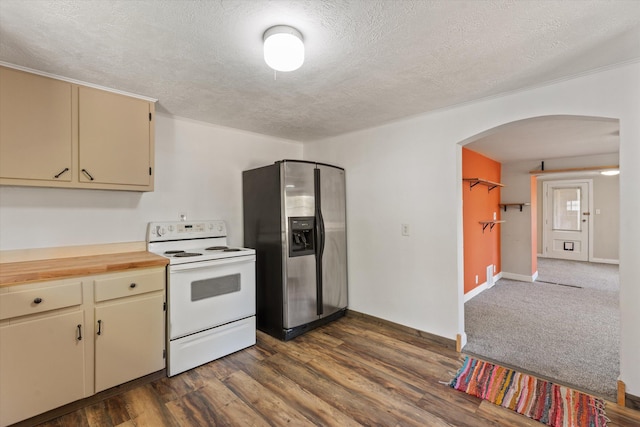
(481, 288)
(461, 341)
(605, 261)
(475, 291)
(632, 402)
(437, 339)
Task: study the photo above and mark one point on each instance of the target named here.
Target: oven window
(209, 288)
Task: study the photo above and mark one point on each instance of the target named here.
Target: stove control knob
(210, 226)
(160, 230)
(170, 229)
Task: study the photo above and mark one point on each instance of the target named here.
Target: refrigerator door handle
(319, 242)
(322, 236)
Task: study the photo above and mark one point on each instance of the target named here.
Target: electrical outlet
(405, 229)
(495, 216)
(476, 279)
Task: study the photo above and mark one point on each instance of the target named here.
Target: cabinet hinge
(164, 354)
(164, 306)
(150, 170)
(149, 116)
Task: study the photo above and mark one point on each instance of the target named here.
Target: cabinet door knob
(37, 300)
(133, 285)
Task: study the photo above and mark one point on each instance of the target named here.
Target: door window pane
(566, 209)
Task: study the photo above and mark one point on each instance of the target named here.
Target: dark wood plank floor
(351, 372)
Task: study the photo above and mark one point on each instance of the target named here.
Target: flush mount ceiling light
(283, 48)
(611, 172)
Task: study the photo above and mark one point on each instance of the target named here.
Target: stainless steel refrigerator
(295, 219)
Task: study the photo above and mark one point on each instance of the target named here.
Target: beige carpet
(589, 275)
(567, 334)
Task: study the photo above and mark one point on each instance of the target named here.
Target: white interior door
(567, 219)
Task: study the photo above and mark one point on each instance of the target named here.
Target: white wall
(198, 171)
(409, 172)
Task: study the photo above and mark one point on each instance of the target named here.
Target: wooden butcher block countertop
(16, 273)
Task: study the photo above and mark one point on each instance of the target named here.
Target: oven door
(203, 295)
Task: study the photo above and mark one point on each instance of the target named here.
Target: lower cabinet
(129, 343)
(42, 365)
(61, 341)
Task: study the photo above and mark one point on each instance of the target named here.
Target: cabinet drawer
(129, 284)
(22, 303)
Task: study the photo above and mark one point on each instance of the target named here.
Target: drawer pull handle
(133, 285)
(79, 332)
(37, 300)
(99, 327)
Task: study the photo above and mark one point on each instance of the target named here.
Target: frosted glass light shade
(611, 172)
(283, 48)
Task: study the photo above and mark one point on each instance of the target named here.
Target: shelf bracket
(488, 224)
(473, 184)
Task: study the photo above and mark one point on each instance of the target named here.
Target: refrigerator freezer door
(334, 257)
(299, 287)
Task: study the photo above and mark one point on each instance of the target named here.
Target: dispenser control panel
(302, 236)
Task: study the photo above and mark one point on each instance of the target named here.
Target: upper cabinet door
(35, 127)
(114, 138)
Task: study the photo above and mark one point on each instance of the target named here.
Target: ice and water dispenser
(301, 236)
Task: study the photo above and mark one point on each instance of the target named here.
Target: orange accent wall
(534, 224)
(479, 204)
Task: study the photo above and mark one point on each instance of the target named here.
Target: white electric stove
(211, 290)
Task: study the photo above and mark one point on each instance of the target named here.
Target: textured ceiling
(367, 61)
(543, 138)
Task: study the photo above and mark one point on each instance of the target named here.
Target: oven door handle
(212, 263)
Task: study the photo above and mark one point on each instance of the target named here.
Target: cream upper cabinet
(35, 127)
(114, 135)
(59, 134)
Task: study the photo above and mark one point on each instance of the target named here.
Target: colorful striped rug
(540, 400)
